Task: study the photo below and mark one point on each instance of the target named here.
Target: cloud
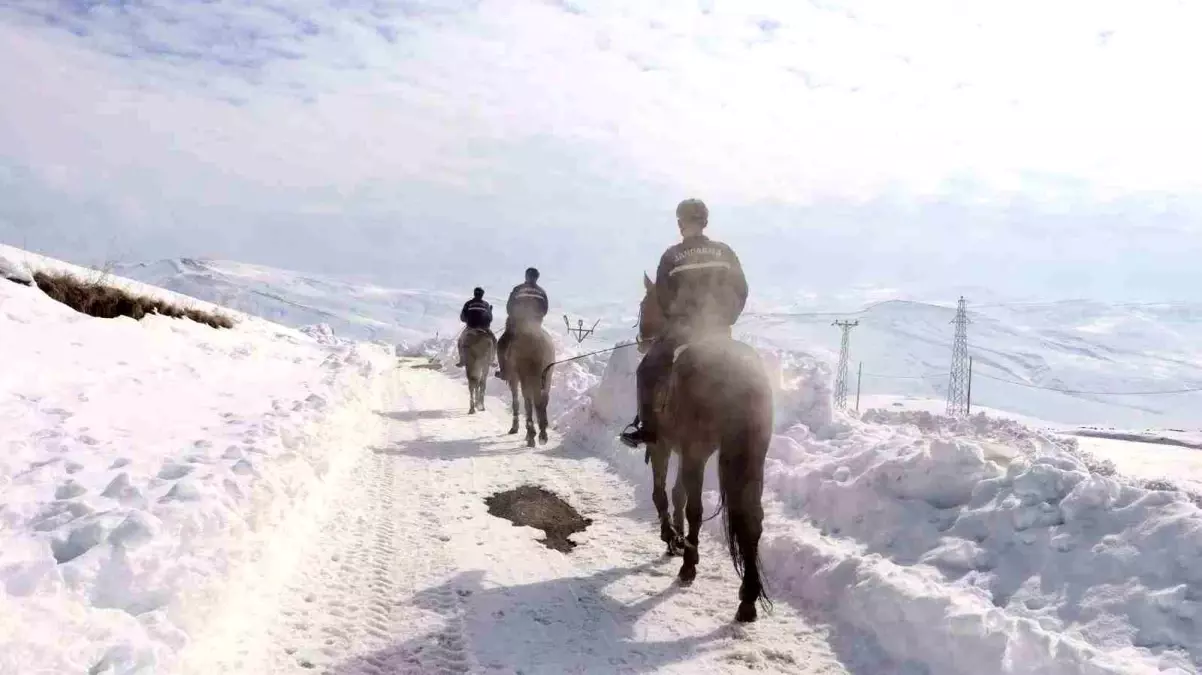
(575, 123)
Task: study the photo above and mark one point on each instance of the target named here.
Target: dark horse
(718, 397)
(527, 366)
(479, 348)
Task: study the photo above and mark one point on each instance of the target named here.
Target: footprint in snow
(69, 490)
(173, 471)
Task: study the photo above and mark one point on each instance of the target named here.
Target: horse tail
(747, 432)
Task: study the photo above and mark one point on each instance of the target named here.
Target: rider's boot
(636, 433)
(501, 345)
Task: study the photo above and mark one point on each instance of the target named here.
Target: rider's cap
(478, 292)
(532, 274)
(693, 211)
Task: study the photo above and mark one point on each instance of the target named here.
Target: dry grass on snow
(98, 299)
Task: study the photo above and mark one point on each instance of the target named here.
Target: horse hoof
(542, 439)
(513, 430)
(529, 442)
(472, 411)
(688, 573)
(746, 613)
(677, 546)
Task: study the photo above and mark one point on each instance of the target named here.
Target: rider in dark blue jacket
(527, 305)
(477, 315)
(702, 290)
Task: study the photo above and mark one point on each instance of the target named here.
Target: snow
(409, 573)
(1150, 461)
(1078, 345)
(351, 309)
(180, 499)
(977, 546)
(143, 463)
(904, 345)
(14, 270)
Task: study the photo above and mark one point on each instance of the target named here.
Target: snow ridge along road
(410, 574)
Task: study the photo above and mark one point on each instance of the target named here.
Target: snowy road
(410, 574)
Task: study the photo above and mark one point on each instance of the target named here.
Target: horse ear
(648, 283)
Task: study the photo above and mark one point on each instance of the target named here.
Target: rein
(637, 341)
(582, 356)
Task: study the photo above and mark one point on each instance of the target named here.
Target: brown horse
(527, 366)
(479, 348)
(717, 397)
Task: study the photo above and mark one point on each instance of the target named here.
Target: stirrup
(633, 436)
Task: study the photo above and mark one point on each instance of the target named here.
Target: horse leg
(692, 468)
(659, 495)
(513, 394)
(679, 498)
(544, 396)
(741, 484)
(746, 525)
(482, 385)
(471, 393)
(529, 396)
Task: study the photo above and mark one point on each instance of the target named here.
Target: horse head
(651, 316)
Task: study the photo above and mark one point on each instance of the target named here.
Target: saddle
(666, 387)
(479, 331)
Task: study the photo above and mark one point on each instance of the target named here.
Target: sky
(1033, 149)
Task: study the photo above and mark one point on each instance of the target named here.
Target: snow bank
(143, 464)
(322, 333)
(14, 270)
(963, 547)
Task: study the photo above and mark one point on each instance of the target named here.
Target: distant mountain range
(1086, 347)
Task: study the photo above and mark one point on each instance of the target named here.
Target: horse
(528, 360)
(479, 348)
(717, 397)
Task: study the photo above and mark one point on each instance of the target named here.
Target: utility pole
(968, 404)
(958, 386)
(859, 382)
(579, 332)
(841, 374)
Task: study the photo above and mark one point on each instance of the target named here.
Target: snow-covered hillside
(905, 346)
(354, 310)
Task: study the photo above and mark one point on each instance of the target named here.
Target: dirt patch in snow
(532, 506)
(99, 299)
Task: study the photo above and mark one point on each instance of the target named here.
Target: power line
(903, 377)
(1016, 304)
(1187, 390)
(1031, 385)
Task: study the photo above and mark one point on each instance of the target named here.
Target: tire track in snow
(353, 596)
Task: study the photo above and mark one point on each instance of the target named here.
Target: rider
(477, 314)
(527, 304)
(701, 288)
